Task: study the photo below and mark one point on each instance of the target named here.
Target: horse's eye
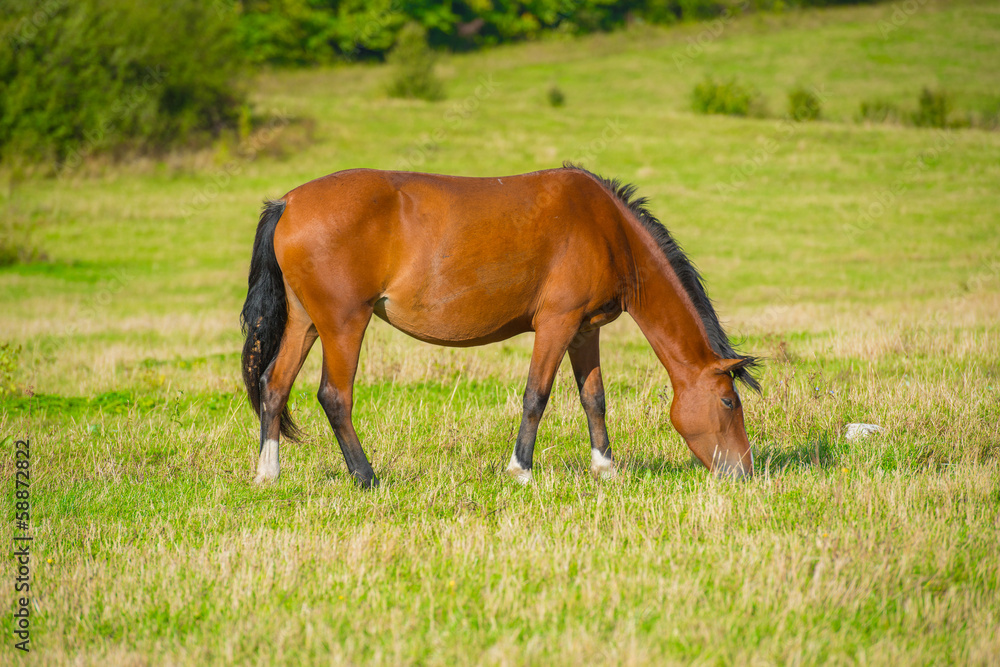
(728, 403)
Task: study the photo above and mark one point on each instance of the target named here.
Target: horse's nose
(731, 469)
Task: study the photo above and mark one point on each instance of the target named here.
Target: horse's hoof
(264, 477)
(268, 467)
(602, 466)
(518, 471)
(604, 473)
(520, 474)
(367, 483)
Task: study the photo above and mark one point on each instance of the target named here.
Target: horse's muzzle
(734, 470)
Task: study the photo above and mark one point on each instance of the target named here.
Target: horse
(463, 261)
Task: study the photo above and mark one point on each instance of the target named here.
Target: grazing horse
(468, 261)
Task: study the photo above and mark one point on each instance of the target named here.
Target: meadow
(862, 260)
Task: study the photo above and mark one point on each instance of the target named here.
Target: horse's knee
(593, 403)
(334, 403)
(534, 403)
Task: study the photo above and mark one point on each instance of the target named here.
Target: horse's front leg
(551, 341)
(586, 360)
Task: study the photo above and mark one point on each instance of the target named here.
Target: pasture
(863, 260)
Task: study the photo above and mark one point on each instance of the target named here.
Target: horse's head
(708, 414)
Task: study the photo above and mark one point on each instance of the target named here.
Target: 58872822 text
(22, 545)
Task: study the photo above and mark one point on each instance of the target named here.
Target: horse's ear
(726, 366)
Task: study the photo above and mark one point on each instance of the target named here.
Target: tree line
(87, 76)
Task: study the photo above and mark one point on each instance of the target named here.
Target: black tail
(265, 312)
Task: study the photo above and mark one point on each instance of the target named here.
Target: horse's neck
(665, 314)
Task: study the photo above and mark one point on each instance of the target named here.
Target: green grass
(152, 546)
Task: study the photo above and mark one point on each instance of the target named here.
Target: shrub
(115, 76)
(803, 104)
(556, 96)
(16, 246)
(9, 364)
(988, 117)
(879, 111)
(413, 63)
(932, 109)
(726, 97)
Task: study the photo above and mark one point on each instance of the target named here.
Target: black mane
(687, 274)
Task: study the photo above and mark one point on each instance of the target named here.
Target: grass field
(862, 260)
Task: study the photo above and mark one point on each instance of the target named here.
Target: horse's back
(448, 259)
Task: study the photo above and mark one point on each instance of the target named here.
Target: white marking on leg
(515, 470)
(268, 466)
(601, 466)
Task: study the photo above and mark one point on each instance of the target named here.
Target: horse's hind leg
(341, 349)
(586, 360)
(276, 385)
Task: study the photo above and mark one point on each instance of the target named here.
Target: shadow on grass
(818, 452)
(656, 466)
(341, 476)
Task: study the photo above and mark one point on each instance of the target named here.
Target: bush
(10, 357)
(803, 104)
(932, 109)
(556, 96)
(16, 244)
(879, 111)
(726, 97)
(413, 62)
(988, 117)
(115, 76)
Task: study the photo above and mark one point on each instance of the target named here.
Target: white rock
(859, 431)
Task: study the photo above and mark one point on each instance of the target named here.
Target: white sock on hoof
(601, 466)
(268, 466)
(515, 470)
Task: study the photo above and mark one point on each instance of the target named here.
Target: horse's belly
(461, 290)
(459, 327)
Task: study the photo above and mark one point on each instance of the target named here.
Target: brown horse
(469, 261)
